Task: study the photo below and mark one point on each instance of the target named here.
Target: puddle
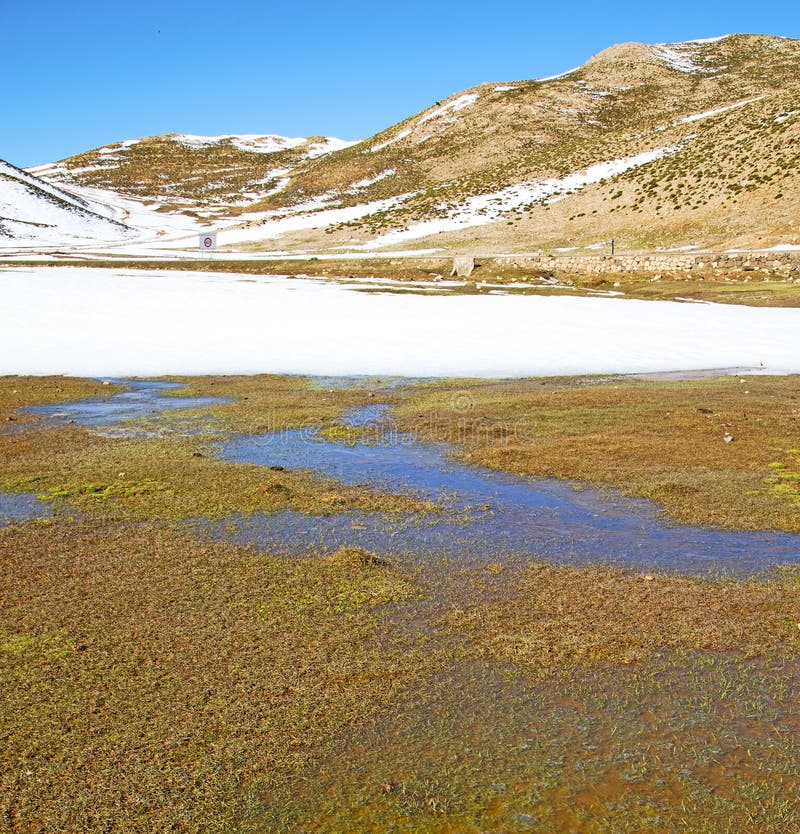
(144, 399)
(16, 507)
(391, 383)
(486, 515)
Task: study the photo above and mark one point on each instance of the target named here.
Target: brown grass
(557, 616)
(171, 477)
(658, 440)
(20, 391)
(153, 682)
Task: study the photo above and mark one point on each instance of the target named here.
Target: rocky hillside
(674, 146)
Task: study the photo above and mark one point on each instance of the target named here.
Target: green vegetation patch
(785, 477)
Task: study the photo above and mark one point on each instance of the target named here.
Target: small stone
(526, 819)
(728, 438)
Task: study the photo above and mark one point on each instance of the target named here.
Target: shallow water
(21, 506)
(143, 399)
(486, 515)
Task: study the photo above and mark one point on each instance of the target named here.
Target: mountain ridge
(711, 125)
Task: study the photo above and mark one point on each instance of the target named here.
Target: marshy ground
(158, 674)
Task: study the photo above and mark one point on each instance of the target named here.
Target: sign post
(208, 242)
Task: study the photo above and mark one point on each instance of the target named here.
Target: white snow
(93, 322)
(451, 107)
(784, 117)
(560, 75)
(708, 40)
(709, 113)
(486, 208)
(366, 183)
(272, 225)
(504, 88)
(329, 145)
(381, 145)
(269, 143)
(37, 213)
(680, 57)
(246, 142)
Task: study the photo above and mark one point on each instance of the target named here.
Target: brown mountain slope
(707, 130)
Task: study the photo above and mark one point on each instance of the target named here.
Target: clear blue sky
(84, 73)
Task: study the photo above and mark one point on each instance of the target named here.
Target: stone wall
(779, 264)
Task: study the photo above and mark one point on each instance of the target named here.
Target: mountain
(222, 174)
(669, 146)
(35, 212)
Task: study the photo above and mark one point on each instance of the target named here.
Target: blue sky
(84, 73)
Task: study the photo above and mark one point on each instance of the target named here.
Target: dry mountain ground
(718, 119)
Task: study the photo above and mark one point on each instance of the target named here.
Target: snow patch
(482, 209)
(680, 57)
(255, 143)
(709, 113)
(784, 117)
(380, 146)
(329, 145)
(366, 183)
(37, 213)
(150, 323)
(451, 107)
(560, 75)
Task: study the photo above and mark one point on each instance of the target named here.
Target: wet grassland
(346, 667)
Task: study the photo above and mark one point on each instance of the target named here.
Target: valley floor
(203, 627)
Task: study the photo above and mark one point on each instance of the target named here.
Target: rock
(728, 438)
(463, 266)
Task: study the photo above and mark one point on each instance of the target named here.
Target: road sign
(208, 241)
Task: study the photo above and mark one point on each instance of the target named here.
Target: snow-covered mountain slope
(210, 174)
(672, 146)
(35, 212)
